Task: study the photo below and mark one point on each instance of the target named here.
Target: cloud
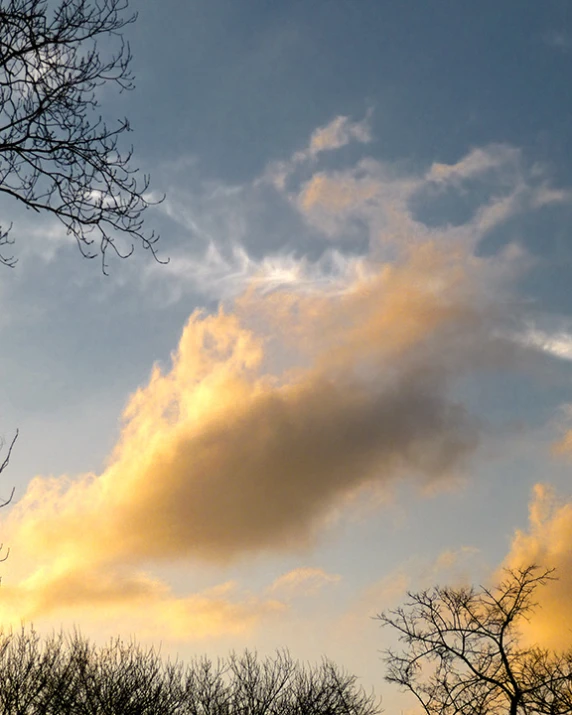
(377, 197)
(218, 458)
(306, 581)
(235, 450)
(548, 543)
(477, 162)
(563, 446)
(221, 277)
(136, 601)
(338, 133)
(545, 196)
(557, 344)
(279, 229)
(314, 380)
(370, 196)
(330, 200)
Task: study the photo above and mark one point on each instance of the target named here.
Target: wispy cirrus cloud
(326, 223)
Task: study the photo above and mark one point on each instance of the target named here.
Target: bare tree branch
(57, 154)
(462, 653)
(4, 503)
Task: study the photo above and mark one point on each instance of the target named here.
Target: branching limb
(57, 153)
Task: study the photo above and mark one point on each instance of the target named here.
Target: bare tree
(463, 654)
(69, 676)
(5, 462)
(57, 154)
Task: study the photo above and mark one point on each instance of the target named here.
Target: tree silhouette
(69, 675)
(463, 654)
(57, 154)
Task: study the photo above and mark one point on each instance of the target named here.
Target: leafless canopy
(462, 653)
(70, 676)
(57, 154)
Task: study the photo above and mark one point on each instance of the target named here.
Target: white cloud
(223, 277)
(558, 344)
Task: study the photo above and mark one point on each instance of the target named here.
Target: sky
(353, 376)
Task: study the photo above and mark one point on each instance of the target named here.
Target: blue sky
(369, 204)
(442, 76)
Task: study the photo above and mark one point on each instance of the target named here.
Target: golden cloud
(217, 459)
(273, 413)
(548, 543)
(136, 601)
(225, 455)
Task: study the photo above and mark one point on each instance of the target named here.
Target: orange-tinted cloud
(236, 450)
(274, 412)
(135, 601)
(563, 446)
(218, 459)
(548, 543)
(338, 133)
